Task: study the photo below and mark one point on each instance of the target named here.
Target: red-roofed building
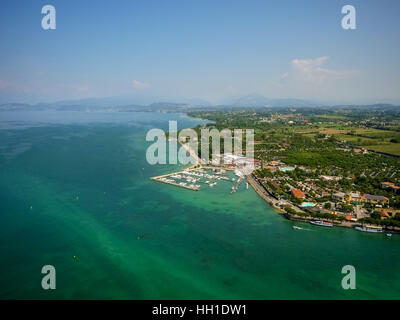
(384, 214)
(297, 193)
(390, 185)
(396, 189)
(385, 185)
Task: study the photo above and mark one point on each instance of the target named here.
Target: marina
(195, 177)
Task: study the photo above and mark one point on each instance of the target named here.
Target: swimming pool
(287, 169)
(307, 204)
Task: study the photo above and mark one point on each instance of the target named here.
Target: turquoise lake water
(77, 184)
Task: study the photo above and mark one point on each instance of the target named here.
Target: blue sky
(212, 50)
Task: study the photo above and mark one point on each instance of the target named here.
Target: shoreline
(344, 224)
(263, 194)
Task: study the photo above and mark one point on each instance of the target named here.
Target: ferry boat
(369, 229)
(322, 223)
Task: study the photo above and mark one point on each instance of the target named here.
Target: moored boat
(369, 229)
(322, 223)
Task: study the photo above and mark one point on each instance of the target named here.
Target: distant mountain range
(125, 104)
(256, 100)
(87, 107)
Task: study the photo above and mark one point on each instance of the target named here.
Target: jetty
(234, 188)
(173, 183)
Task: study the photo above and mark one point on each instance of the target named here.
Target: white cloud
(312, 79)
(285, 75)
(136, 84)
(312, 71)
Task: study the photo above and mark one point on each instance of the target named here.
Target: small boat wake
(300, 228)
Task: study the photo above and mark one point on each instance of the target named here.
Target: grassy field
(392, 148)
(375, 139)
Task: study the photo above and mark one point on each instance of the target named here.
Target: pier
(175, 184)
(240, 180)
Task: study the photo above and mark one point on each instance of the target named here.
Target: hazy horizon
(113, 101)
(211, 51)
